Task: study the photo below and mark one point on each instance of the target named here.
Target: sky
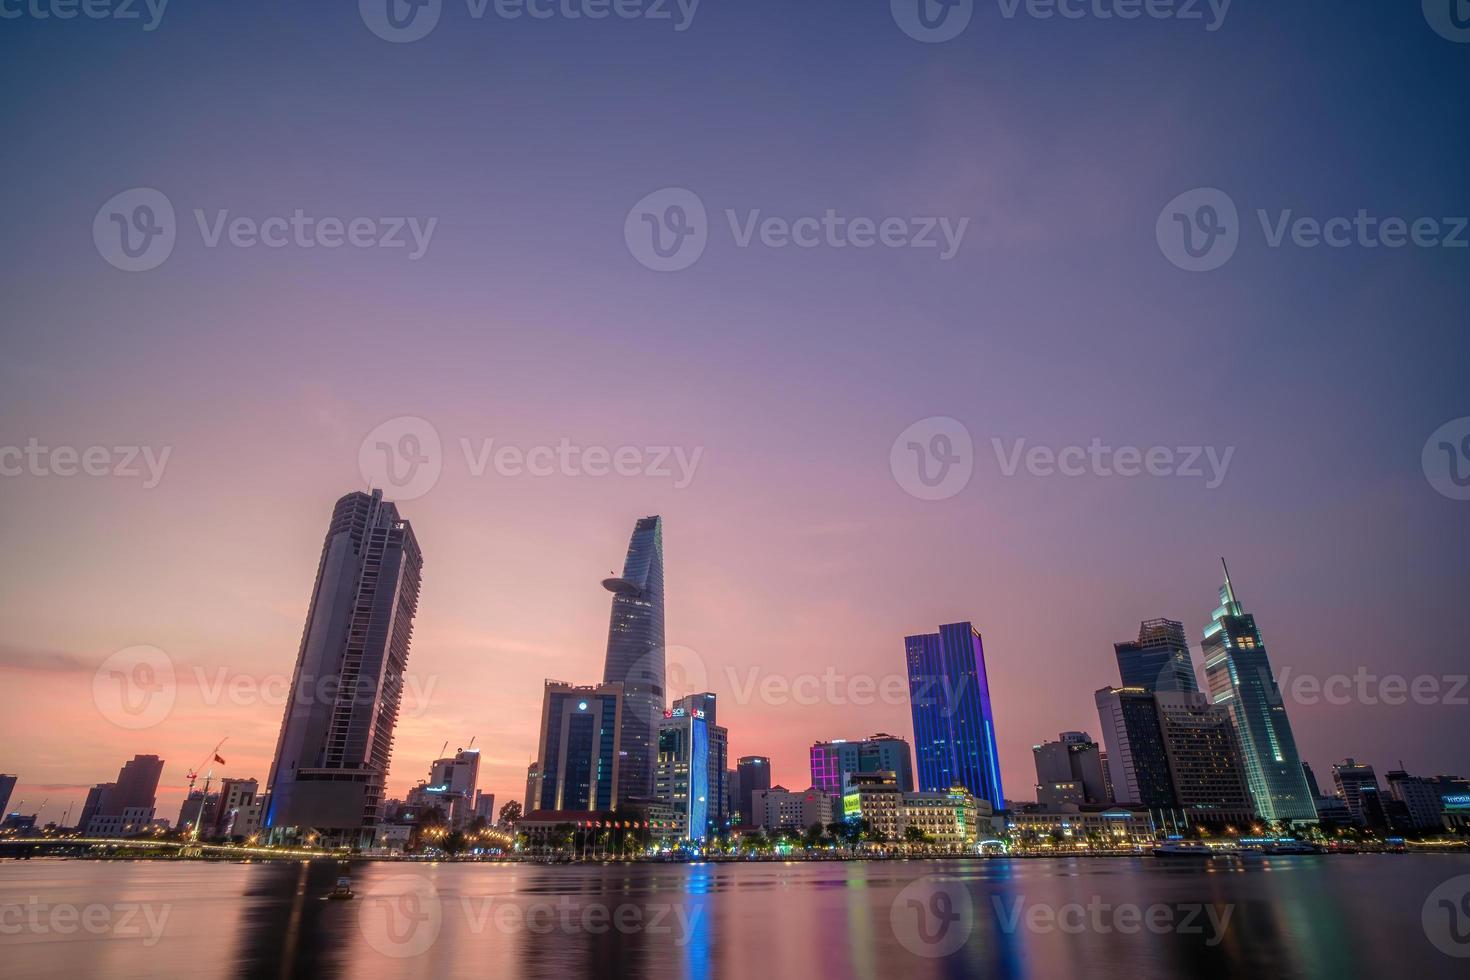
(535, 157)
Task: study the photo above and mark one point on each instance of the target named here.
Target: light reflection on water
(1338, 917)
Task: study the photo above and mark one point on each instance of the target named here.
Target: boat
(1189, 849)
(343, 890)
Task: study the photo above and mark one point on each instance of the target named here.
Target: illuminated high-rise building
(1238, 672)
(635, 655)
(1158, 660)
(580, 761)
(832, 762)
(954, 727)
(682, 777)
(703, 706)
(336, 737)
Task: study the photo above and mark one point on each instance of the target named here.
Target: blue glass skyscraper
(1239, 675)
(1159, 659)
(578, 748)
(635, 655)
(954, 727)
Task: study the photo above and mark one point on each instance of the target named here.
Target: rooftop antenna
(1228, 586)
(472, 742)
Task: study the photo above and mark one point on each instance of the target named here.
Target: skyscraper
(1137, 756)
(337, 734)
(683, 777)
(635, 655)
(754, 775)
(581, 764)
(126, 806)
(1158, 660)
(1205, 764)
(1238, 671)
(954, 727)
(703, 706)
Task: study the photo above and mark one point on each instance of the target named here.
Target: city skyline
(400, 779)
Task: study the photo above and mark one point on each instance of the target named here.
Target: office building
(1158, 660)
(1205, 764)
(333, 753)
(682, 777)
(1312, 786)
(485, 807)
(635, 655)
(1070, 770)
(533, 781)
(1357, 786)
(580, 747)
(93, 804)
(833, 761)
(704, 706)
(1137, 756)
(450, 788)
(240, 806)
(126, 806)
(753, 772)
(954, 726)
(1238, 670)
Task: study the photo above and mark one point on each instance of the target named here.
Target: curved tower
(635, 655)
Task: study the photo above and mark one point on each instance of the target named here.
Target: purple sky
(794, 550)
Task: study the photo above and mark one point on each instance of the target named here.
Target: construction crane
(209, 760)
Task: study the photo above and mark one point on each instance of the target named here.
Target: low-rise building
(1071, 825)
(778, 808)
(954, 820)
